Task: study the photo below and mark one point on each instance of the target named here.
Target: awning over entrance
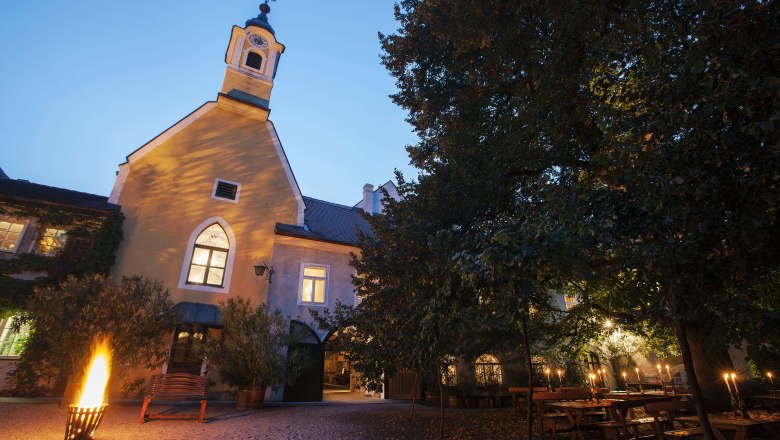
(198, 313)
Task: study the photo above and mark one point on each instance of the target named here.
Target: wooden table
(575, 412)
(762, 421)
(770, 402)
(621, 395)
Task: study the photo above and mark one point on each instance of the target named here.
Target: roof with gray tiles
(22, 190)
(329, 222)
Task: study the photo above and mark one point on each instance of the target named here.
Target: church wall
(168, 193)
(288, 256)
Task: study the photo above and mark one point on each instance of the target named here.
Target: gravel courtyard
(379, 420)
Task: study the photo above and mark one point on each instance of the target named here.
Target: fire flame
(97, 374)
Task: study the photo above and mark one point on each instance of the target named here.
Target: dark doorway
(336, 368)
(308, 386)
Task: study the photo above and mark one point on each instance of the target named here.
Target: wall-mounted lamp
(263, 269)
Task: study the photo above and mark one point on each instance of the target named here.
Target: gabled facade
(213, 211)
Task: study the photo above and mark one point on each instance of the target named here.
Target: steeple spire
(262, 19)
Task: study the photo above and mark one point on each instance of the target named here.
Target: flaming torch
(85, 416)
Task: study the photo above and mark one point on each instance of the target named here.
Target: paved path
(370, 419)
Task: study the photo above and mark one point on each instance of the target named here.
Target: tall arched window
(254, 60)
(209, 257)
(488, 370)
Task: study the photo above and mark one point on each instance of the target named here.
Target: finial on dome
(264, 8)
(262, 19)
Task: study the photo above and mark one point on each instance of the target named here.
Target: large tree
(658, 118)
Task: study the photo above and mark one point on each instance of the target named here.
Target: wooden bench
(619, 413)
(176, 387)
(664, 413)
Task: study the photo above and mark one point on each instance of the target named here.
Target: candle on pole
(731, 395)
(625, 381)
(661, 376)
(668, 373)
(560, 378)
(549, 384)
(740, 403)
(601, 377)
(639, 380)
(771, 382)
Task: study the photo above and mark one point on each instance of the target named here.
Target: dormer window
(225, 190)
(254, 60)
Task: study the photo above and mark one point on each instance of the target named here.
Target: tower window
(254, 60)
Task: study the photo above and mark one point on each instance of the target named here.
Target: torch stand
(83, 422)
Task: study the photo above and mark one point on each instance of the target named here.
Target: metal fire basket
(83, 422)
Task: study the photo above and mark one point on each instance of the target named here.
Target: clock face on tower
(257, 41)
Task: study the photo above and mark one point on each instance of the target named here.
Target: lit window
(209, 257)
(11, 342)
(570, 301)
(254, 60)
(488, 370)
(10, 234)
(52, 242)
(314, 283)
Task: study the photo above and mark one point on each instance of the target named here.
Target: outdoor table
(575, 412)
(517, 393)
(725, 422)
(771, 402)
(621, 395)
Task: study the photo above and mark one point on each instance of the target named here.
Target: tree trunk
(529, 410)
(414, 396)
(441, 404)
(701, 410)
(710, 361)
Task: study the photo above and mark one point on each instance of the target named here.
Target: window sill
(311, 304)
(203, 288)
(9, 358)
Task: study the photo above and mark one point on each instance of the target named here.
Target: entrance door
(306, 344)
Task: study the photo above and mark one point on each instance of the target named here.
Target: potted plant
(249, 353)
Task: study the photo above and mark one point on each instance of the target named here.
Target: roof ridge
(55, 187)
(337, 205)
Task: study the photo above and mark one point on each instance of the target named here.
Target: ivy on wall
(92, 242)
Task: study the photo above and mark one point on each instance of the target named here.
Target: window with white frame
(209, 257)
(12, 341)
(10, 235)
(488, 370)
(53, 241)
(314, 284)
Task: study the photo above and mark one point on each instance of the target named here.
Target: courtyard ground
(364, 419)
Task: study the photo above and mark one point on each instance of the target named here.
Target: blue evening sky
(85, 83)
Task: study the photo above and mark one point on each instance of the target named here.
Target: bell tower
(252, 58)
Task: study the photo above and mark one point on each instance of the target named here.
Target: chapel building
(213, 211)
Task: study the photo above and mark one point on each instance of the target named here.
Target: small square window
(226, 190)
(314, 284)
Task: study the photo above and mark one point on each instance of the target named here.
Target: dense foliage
(250, 351)
(625, 150)
(90, 248)
(135, 313)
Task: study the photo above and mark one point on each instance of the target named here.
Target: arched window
(209, 257)
(488, 370)
(254, 60)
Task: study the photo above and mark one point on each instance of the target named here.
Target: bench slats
(177, 387)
